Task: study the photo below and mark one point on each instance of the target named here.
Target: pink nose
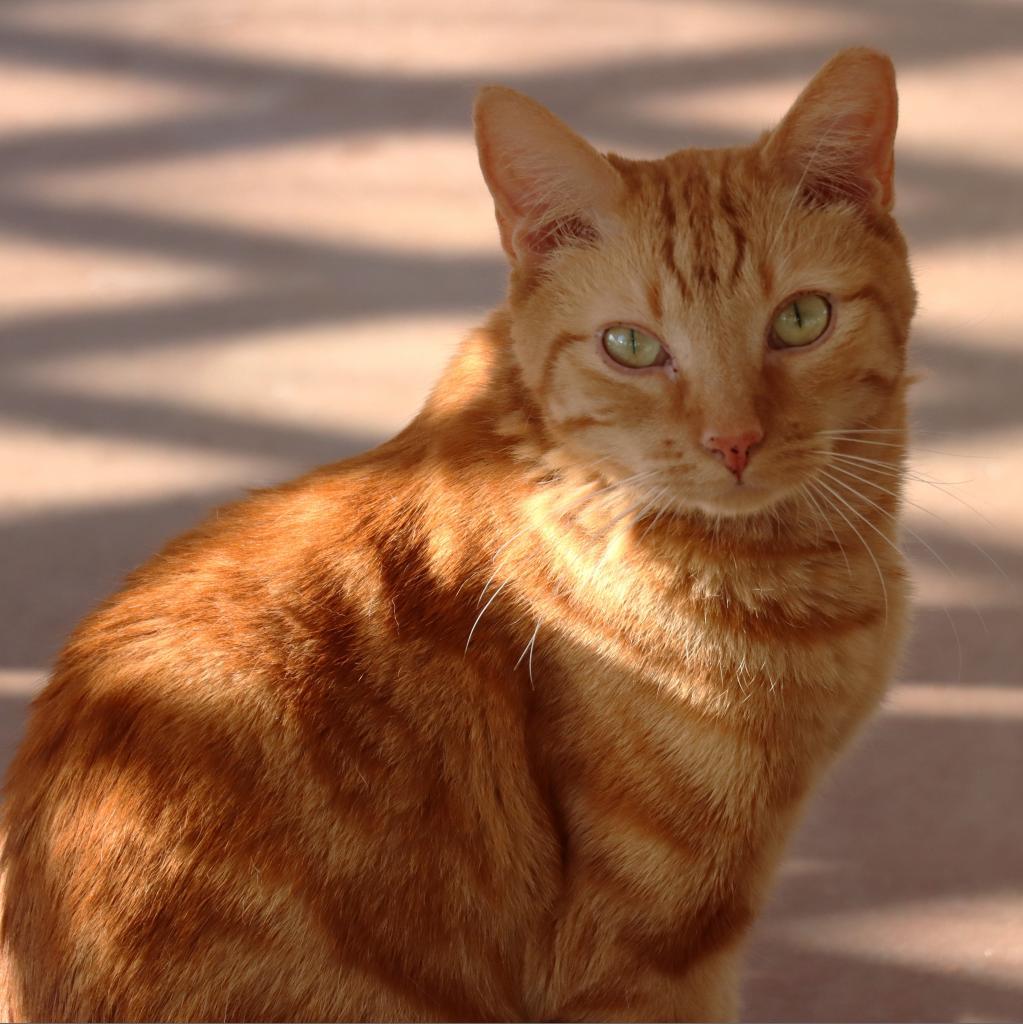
(733, 449)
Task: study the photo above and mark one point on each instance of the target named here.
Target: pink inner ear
(861, 162)
(837, 140)
(847, 179)
(549, 185)
(528, 225)
(542, 237)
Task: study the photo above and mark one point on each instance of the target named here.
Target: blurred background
(241, 237)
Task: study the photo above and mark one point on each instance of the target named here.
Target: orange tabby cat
(510, 717)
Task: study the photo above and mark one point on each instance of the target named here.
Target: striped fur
(510, 717)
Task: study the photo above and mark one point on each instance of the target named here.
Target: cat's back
(233, 768)
(207, 623)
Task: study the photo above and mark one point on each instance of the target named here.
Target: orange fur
(475, 725)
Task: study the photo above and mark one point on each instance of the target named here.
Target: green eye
(632, 347)
(801, 321)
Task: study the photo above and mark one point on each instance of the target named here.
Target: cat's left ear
(837, 141)
(550, 186)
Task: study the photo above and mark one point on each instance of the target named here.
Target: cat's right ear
(837, 141)
(550, 186)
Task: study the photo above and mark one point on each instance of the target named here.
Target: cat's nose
(733, 447)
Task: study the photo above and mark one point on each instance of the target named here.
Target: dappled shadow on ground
(13, 714)
(867, 987)
(917, 814)
(914, 825)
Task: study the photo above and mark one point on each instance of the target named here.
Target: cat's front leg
(707, 991)
(606, 963)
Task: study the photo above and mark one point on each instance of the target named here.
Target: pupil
(632, 342)
(799, 317)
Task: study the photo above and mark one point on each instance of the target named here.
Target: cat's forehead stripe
(670, 223)
(701, 217)
(711, 239)
(731, 214)
(653, 298)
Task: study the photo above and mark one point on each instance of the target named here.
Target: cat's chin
(738, 500)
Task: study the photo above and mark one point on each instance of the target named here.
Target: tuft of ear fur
(550, 186)
(836, 142)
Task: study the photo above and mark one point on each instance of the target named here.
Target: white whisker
(934, 515)
(482, 613)
(650, 504)
(529, 647)
(532, 648)
(830, 525)
(948, 614)
(908, 431)
(867, 547)
(903, 447)
(892, 469)
(941, 561)
(660, 496)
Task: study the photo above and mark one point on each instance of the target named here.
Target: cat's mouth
(738, 498)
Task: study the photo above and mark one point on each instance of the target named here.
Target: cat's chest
(709, 729)
(762, 640)
(689, 716)
(670, 759)
(668, 817)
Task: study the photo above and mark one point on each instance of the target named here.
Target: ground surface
(240, 237)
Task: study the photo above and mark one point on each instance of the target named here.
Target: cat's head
(715, 319)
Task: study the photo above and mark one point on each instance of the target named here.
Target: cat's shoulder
(223, 597)
(199, 639)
